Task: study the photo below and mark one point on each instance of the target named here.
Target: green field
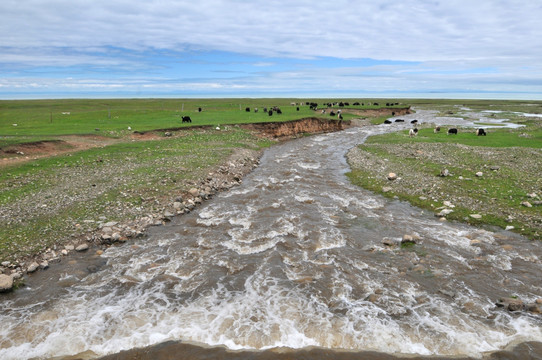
(498, 194)
(115, 117)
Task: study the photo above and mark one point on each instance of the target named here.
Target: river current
(293, 257)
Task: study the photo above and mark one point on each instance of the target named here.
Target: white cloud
(452, 41)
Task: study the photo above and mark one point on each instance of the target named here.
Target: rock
(511, 304)
(6, 283)
(177, 205)
(373, 298)
(526, 204)
(476, 216)
(107, 230)
(445, 212)
(69, 247)
(447, 293)
(409, 239)
(110, 224)
(538, 301)
(115, 236)
(32, 267)
(44, 265)
(168, 134)
(6, 263)
(509, 227)
(168, 214)
(444, 173)
(392, 176)
(194, 192)
(386, 189)
(64, 252)
(82, 247)
(479, 174)
(389, 241)
(448, 204)
(494, 167)
(99, 252)
(532, 195)
(534, 308)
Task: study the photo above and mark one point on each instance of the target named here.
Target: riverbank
(105, 196)
(478, 184)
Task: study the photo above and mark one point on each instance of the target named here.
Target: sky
(271, 48)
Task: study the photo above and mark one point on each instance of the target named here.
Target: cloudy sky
(265, 48)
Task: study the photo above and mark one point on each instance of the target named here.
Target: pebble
(475, 216)
(479, 174)
(526, 204)
(386, 189)
(392, 176)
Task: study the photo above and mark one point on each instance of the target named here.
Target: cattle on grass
(387, 121)
(270, 112)
(414, 121)
(186, 119)
(452, 131)
(436, 129)
(413, 132)
(480, 132)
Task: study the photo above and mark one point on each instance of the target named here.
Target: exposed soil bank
(296, 127)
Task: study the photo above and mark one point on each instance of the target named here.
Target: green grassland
(114, 117)
(497, 194)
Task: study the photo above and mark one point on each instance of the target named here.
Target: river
(293, 257)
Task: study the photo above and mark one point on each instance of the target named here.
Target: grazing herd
(414, 131)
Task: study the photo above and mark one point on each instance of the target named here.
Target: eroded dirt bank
(294, 128)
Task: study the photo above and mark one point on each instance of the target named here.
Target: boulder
(527, 204)
(6, 283)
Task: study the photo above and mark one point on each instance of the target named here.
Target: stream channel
(293, 257)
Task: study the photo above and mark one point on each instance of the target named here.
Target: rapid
(293, 257)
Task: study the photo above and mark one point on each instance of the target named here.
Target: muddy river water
(293, 257)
